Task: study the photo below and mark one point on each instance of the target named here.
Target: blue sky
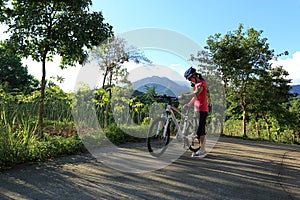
(198, 19)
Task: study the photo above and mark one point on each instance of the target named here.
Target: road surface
(234, 169)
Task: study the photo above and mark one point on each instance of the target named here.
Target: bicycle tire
(156, 143)
(194, 145)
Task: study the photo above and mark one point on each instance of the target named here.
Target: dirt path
(234, 169)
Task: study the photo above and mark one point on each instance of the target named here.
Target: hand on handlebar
(185, 106)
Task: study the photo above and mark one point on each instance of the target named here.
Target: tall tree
(294, 109)
(270, 93)
(111, 55)
(42, 29)
(241, 56)
(13, 74)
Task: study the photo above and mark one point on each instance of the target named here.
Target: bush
(124, 134)
(54, 146)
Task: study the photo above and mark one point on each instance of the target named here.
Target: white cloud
(292, 65)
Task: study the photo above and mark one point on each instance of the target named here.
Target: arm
(197, 92)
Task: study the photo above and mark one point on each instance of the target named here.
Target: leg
(202, 143)
(201, 130)
(196, 125)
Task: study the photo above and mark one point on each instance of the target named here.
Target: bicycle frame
(171, 114)
(159, 132)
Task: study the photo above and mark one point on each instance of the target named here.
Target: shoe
(199, 154)
(202, 154)
(196, 154)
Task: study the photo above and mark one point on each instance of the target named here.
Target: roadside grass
(20, 144)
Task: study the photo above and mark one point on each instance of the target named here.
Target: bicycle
(160, 130)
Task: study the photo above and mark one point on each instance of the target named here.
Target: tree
(269, 95)
(111, 55)
(13, 74)
(294, 117)
(240, 57)
(42, 29)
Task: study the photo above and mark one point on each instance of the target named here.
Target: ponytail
(200, 76)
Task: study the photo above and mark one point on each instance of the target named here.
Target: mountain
(174, 88)
(163, 85)
(296, 89)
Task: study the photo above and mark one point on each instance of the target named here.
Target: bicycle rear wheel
(156, 142)
(192, 140)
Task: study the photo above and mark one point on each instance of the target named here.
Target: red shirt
(201, 103)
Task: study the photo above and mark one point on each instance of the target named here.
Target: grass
(19, 143)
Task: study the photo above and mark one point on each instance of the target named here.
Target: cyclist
(199, 100)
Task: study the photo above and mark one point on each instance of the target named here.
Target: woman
(199, 100)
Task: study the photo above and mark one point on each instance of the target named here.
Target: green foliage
(252, 86)
(19, 144)
(146, 121)
(260, 130)
(54, 146)
(110, 57)
(13, 74)
(120, 134)
(42, 29)
(55, 27)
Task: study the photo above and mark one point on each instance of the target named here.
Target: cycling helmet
(188, 73)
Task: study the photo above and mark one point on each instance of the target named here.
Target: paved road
(234, 169)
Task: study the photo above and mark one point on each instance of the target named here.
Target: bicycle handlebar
(164, 96)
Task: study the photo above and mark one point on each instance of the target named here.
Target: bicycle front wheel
(156, 141)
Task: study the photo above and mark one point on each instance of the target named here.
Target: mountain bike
(167, 124)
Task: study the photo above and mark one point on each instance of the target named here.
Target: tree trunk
(257, 129)
(104, 78)
(268, 128)
(222, 119)
(222, 126)
(244, 108)
(41, 107)
(257, 126)
(244, 124)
